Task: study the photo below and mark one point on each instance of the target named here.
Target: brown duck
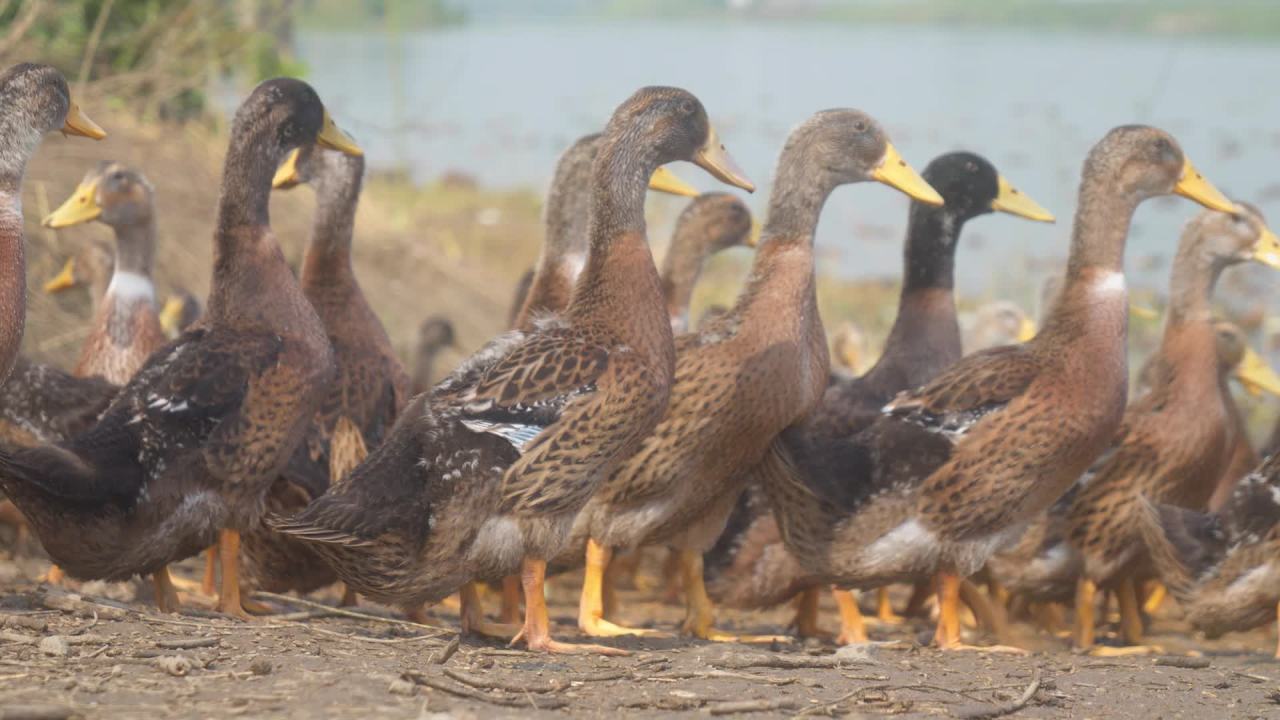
(925, 339)
(959, 466)
(435, 335)
(188, 449)
(1176, 439)
(34, 101)
(743, 379)
(485, 474)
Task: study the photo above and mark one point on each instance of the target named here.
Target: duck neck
(619, 286)
(1194, 276)
(13, 266)
(926, 330)
(131, 280)
(337, 188)
(785, 255)
(680, 271)
(247, 262)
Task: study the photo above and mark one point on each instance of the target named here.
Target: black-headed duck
(484, 475)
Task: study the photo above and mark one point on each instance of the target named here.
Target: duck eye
(687, 107)
(970, 167)
(860, 126)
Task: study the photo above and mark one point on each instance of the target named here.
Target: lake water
(501, 101)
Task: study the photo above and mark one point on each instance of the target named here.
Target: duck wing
(976, 386)
(42, 404)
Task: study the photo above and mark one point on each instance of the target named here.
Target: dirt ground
(102, 651)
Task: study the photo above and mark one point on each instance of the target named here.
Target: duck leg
(1130, 624)
(947, 635)
(920, 593)
(990, 616)
(1086, 594)
(536, 632)
(699, 618)
(806, 619)
(473, 619)
(209, 584)
(1278, 631)
(55, 576)
(1155, 599)
(852, 629)
(230, 601)
(671, 577)
(349, 597)
(884, 608)
(165, 592)
(591, 604)
(510, 612)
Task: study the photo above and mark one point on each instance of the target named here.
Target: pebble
(54, 646)
(403, 687)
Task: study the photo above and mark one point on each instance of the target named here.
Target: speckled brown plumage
(959, 466)
(488, 470)
(193, 442)
(368, 390)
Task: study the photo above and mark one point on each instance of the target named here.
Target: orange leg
(473, 619)
(166, 593)
(510, 612)
(884, 608)
(990, 615)
(536, 632)
(591, 603)
(806, 619)
(1278, 630)
(349, 597)
(55, 576)
(1086, 594)
(209, 584)
(1130, 619)
(852, 629)
(230, 601)
(947, 635)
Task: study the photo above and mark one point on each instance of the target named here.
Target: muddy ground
(100, 651)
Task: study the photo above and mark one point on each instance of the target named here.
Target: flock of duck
(280, 433)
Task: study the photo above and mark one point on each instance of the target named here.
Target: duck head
(1145, 162)
(112, 194)
(1225, 239)
(36, 101)
(970, 186)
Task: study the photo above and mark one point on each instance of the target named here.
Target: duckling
(957, 468)
(126, 329)
(34, 101)
(486, 473)
(188, 449)
(434, 335)
(1176, 439)
(741, 381)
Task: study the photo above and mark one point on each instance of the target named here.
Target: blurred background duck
(435, 335)
(959, 466)
(189, 448)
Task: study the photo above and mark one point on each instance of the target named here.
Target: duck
(710, 223)
(740, 381)
(180, 311)
(34, 101)
(484, 475)
(185, 453)
(1177, 438)
(997, 323)
(1042, 567)
(126, 326)
(368, 390)
(848, 351)
(1257, 377)
(924, 340)
(1223, 567)
(956, 468)
(567, 242)
(435, 334)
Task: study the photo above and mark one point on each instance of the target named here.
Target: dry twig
(468, 693)
(994, 711)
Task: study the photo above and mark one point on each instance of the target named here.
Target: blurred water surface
(500, 102)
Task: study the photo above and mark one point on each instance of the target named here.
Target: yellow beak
(332, 137)
(1142, 312)
(1256, 376)
(753, 237)
(713, 158)
(287, 174)
(663, 180)
(1267, 249)
(81, 207)
(77, 123)
(1192, 185)
(1026, 329)
(1011, 200)
(64, 280)
(896, 173)
(171, 314)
